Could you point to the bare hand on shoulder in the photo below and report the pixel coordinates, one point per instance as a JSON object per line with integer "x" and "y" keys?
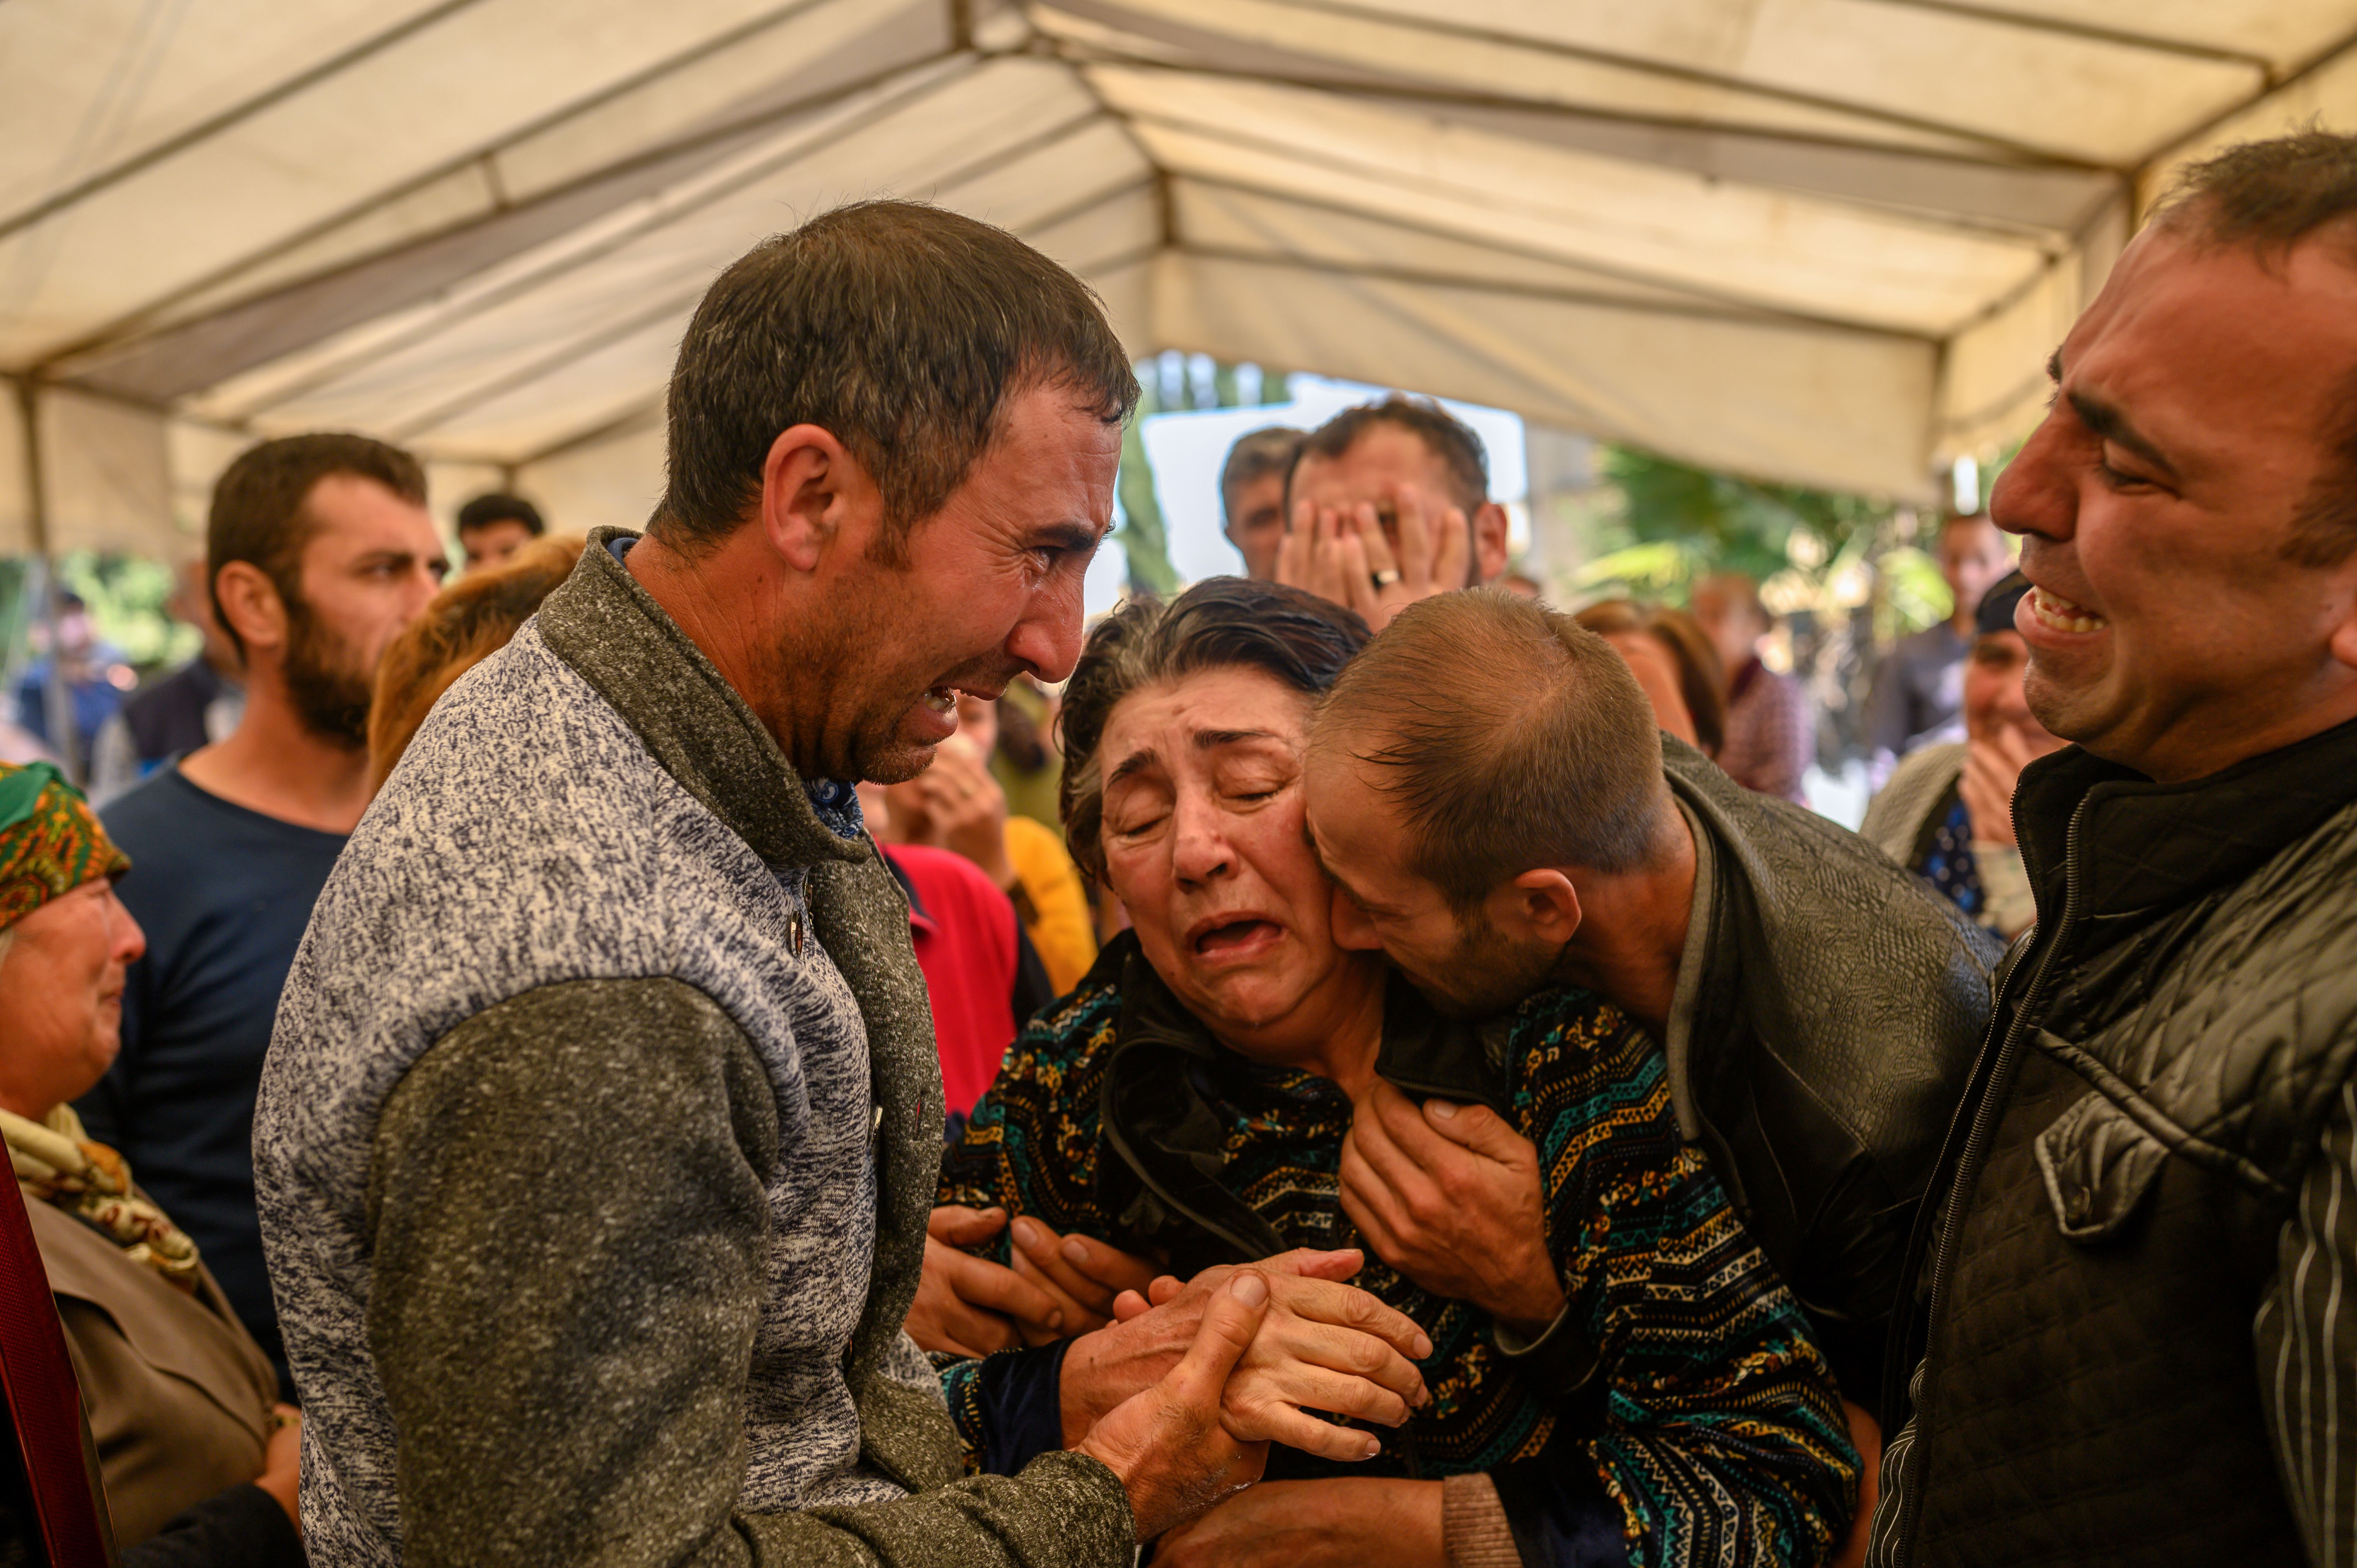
{"x": 1448, "y": 1195}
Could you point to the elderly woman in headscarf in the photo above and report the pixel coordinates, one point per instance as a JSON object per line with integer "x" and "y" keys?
{"x": 1237, "y": 1077}
{"x": 192, "y": 1444}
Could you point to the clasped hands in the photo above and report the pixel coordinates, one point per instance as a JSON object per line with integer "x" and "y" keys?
{"x": 1447, "y": 1195}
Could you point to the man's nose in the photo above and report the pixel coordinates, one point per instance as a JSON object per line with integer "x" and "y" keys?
{"x": 1047, "y": 641}
{"x": 2035, "y": 495}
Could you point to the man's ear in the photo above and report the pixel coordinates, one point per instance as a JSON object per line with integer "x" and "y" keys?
{"x": 1489, "y": 534}
{"x": 250, "y": 605}
{"x": 1540, "y": 904}
{"x": 814, "y": 493}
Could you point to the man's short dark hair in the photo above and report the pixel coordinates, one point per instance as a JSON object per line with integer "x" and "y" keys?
{"x": 1509, "y": 736}
{"x": 1300, "y": 638}
{"x": 501, "y": 507}
{"x": 258, "y": 514}
{"x": 1448, "y": 437}
{"x": 899, "y": 329}
{"x": 1255, "y": 456}
{"x": 2266, "y": 196}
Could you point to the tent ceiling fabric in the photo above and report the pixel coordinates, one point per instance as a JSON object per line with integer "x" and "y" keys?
{"x": 1822, "y": 241}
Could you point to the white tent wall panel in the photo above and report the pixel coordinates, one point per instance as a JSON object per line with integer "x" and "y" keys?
{"x": 2284, "y": 33}
{"x": 690, "y": 230}
{"x": 1847, "y": 411}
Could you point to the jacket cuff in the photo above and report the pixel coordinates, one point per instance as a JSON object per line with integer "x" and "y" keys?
{"x": 1561, "y": 1363}
{"x": 1473, "y": 1528}
{"x": 242, "y": 1525}
{"x": 1088, "y": 1489}
{"x": 1021, "y": 1396}
{"x": 1560, "y": 1514}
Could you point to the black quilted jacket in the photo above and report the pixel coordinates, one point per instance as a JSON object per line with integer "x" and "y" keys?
{"x": 2167, "y": 1044}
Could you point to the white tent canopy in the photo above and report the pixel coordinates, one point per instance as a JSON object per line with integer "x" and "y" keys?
{"x": 1823, "y": 241}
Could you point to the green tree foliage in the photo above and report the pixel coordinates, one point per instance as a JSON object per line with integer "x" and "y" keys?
{"x": 1669, "y": 524}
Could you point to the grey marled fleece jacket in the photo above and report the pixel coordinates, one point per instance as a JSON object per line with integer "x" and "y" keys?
{"x": 596, "y": 1145}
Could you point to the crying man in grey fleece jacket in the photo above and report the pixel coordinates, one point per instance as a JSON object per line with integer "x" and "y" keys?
{"x": 602, "y": 1120}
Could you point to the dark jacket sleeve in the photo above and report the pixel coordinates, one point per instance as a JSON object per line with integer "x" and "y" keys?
{"x": 569, "y": 1227}
{"x": 241, "y": 1528}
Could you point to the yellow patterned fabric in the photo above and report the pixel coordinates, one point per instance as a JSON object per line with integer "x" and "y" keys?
{"x": 57, "y": 1163}
{"x": 51, "y": 842}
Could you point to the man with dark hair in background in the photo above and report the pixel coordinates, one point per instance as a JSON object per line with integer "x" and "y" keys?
{"x": 2139, "y": 1254}
{"x": 603, "y": 1119}
{"x": 1818, "y": 1005}
{"x": 1390, "y": 503}
{"x": 495, "y": 526}
{"x": 319, "y": 551}
{"x": 1252, "y": 496}
{"x": 1919, "y": 692}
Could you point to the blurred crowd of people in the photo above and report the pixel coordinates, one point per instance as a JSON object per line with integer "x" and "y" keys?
{"x": 766, "y": 1039}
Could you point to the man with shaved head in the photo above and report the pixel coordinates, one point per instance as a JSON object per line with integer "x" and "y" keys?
{"x": 1818, "y": 1005}
{"x": 2136, "y": 1278}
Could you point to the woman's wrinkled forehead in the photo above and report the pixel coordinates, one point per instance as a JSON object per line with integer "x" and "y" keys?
{"x": 1200, "y": 714}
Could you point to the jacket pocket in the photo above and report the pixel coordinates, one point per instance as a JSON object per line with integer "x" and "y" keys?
{"x": 2098, "y": 1165}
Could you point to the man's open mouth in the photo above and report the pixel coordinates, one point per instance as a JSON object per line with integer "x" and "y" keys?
{"x": 2052, "y": 609}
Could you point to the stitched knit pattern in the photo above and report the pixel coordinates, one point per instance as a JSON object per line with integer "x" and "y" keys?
{"x": 1723, "y": 1439}
{"x": 529, "y": 838}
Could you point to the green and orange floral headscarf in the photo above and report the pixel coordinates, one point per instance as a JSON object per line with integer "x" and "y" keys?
{"x": 51, "y": 842}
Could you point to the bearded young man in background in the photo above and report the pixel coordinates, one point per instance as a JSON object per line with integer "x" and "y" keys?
{"x": 318, "y": 551}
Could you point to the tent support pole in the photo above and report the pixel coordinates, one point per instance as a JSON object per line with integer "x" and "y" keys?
{"x": 56, "y": 698}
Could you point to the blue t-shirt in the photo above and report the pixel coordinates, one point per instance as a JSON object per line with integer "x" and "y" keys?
{"x": 223, "y": 894}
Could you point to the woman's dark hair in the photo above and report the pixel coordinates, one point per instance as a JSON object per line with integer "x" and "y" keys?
{"x": 1299, "y": 637}
{"x": 1701, "y": 682}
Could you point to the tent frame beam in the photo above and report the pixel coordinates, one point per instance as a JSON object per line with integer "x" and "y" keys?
{"x": 2063, "y": 26}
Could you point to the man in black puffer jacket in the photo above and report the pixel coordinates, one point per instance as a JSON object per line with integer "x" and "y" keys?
{"x": 2139, "y": 1244}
